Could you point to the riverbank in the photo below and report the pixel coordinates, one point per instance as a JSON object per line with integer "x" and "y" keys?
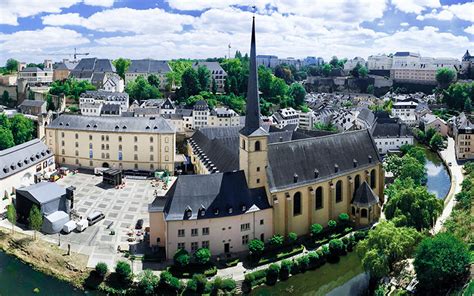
{"x": 45, "y": 257}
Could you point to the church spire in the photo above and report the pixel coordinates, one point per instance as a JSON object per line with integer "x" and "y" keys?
{"x": 252, "y": 114}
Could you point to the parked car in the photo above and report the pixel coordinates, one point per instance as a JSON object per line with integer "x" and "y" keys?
{"x": 82, "y": 225}
{"x": 95, "y": 217}
{"x": 139, "y": 224}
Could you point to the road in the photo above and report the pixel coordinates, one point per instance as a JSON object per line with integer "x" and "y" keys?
{"x": 449, "y": 156}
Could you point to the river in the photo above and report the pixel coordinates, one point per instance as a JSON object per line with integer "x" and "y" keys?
{"x": 438, "y": 179}
{"x": 17, "y": 278}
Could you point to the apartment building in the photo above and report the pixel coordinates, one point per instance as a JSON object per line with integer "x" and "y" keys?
{"x": 130, "y": 143}
{"x": 463, "y": 131}
{"x": 92, "y": 103}
{"x": 269, "y": 61}
{"x": 379, "y": 62}
{"x": 36, "y": 75}
{"x": 406, "y": 111}
{"x": 145, "y": 68}
{"x": 285, "y": 116}
{"x": 411, "y": 67}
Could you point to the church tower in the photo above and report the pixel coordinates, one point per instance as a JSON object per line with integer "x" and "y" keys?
{"x": 253, "y": 139}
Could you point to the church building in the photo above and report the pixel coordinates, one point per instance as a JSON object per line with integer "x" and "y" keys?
{"x": 291, "y": 180}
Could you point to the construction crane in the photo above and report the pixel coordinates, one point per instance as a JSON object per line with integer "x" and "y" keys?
{"x": 79, "y": 54}
{"x": 75, "y": 54}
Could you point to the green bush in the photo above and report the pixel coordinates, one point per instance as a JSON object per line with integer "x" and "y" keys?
{"x": 272, "y": 274}
{"x": 256, "y": 248}
{"x": 210, "y": 271}
{"x": 313, "y": 259}
{"x": 191, "y": 285}
{"x": 332, "y": 225}
{"x": 202, "y": 256}
{"x": 201, "y": 282}
{"x": 285, "y": 269}
{"x": 101, "y": 268}
{"x": 165, "y": 277}
{"x": 147, "y": 282}
{"x": 181, "y": 258}
{"x": 325, "y": 250}
{"x": 295, "y": 267}
{"x": 123, "y": 271}
{"x": 343, "y": 219}
{"x": 292, "y": 237}
{"x": 232, "y": 262}
{"x": 228, "y": 285}
{"x": 360, "y": 235}
{"x": 336, "y": 247}
{"x": 316, "y": 230}
{"x": 175, "y": 284}
{"x": 276, "y": 240}
{"x": 303, "y": 262}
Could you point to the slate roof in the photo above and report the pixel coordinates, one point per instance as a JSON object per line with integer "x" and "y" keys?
{"x": 88, "y": 66}
{"x": 42, "y": 192}
{"x": 184, "y": 112}
{"x": 303, "y": 157}
{"x": 110, "y": 109}
{"x": 31, "y": 69}
{"x": 60, "y": 66}
{"x": 168, "y": 104}
{"x": 214, "y": 67}
{"x": 112, "y": 124}
{"x": 225, "y": 194}
{"x": 20, "y": 157}
{"x": 32, "y": 103}
{"x": 106, "y": 95}
{"x": 390, "y": 129}
{"x": 364, "y": 196}
{"x": 148, "y": 66}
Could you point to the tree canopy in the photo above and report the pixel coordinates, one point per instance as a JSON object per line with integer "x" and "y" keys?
{"x": 35, "y": 219}
{"x": 121, "y": 66}
{"x": 385, "y": 245}
{"x": 406, "y": 167}
{"x": 141, "y": 89}
{"x": 70, "y": 87}
{"x": 441, "y": 262}
{"x": 11, "y": 65}
{"x": 22, "y": 128}
{"x": 444, "y": 76}
{"x": 456, "y": 94}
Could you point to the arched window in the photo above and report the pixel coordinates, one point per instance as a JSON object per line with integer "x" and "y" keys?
{"x": 257, "y": 146}
{"x": 243, "y": 144}
{"x": 297, "y": 204}
{"x": 353, "y": 210}
{"x": 356, "y": 182}
{"x": 373, "y": 179}
{"x": 339, "y": 191}
{"x": 363, "y": 213}
{"x": 319, "y": 198}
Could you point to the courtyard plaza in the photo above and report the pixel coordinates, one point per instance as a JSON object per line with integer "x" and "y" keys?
{"x": 122, "y": 208}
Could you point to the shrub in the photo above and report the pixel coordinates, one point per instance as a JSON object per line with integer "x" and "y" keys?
{"x": 303, "y": 262}
{"x": 101, "y": 268}
{"x": 123, "y": 270}
{"x": 202, "y": 256}
{"x": 332, "y": 225}
{"x": 191, "y": 285}
{"x": 276, "y": 240}
{"x": 147, "y": 282}
{"x": 343, "y": 219}
{"x": 228, "y": 285}
{"x": 256, "y": 247}
{"x": 285, "y": 269}
{"x": 360, "y": 235}
{"x": 181, "y": 258}
{"x": 313, "y": 259}
{"x": 201, "y": 282}
{"x": 336, "y": 247}
{"x": 272, "y": 274}
{"x": 295, "y": 267}
{"x": 175, "y": 284}
{"x": 316, "y": 230}
{"x": 165, "y": 277}
{"x": 292, "y": 237}
{"x": 325, "y": 250}
{"x": 345, "y": 241}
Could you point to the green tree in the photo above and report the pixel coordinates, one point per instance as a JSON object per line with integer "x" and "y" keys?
{"x": 101, "y": 269}
{"x": 327, "y": 69}
{"x": 256, "y": 247}
{"x": 6, "y": 138}
{"x": 343, "y": 219}
{"x": 141, "y": 89}
{"x": 5, "y": 100}
{"x": 190, "y": 85}
{"x": 277, "y": 240}
{"x": 11, "y": 216}
{"x": 406, "y": 167}
{"x": 284, "y": 72}
{"x": 5, "y": 122}
{"x": 413, "y": 207}
{"x": 265, "y": 79}
{"x": 292, "y": 237}
{"x": 181, "y": 258}
{"x": 337, "y": 248}
{"x": 334, "y": 62}
{"x": 298, "y": 93}
{"x": 285, "y": 269}
{"x": 278, "y": 89}
{"x": 22, "y": 129}
{"x": 49, "y": 103}
{"x": 214, "y": 86}
{"x": 202, "y": 256}
{"x": 355, "y": 71}
{"x": 370, "y": 89}
{"x": 468, "y": 105}
{"x": 385, "y": 245}
{"x": 70, "y": 88}
{"x": 121, "y": 66}
{"x": 436, "y": 142}
{"x": 363, "y": 72}
{"x": 11, "y": 65}
{"x": 441, "y": 262}
{"x": 147, "y": 282}
{"x": 204, "y": 77}
{"x": 123, "y": 271}
{"x": 316, "y": 230}
{"x": 35, "y": 219}
{"x": 325, "y": 127}
{"x": 457, "y": 93}
{"x": 272, "y": 274}
{"x": 417, "y": 152}
{"x": 444, "y": 76}
{"x": 173, "y": 77}
{"x": 154, "y": 80}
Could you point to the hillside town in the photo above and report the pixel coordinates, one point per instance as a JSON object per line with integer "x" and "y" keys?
{"x": 233, "y": 174}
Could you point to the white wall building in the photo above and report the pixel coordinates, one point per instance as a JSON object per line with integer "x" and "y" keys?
{"x": 350, "y": 64}
{"x": 379, "y": 62}
{"x": 92, "y": 102}
{"x": 405, "y": 111}
{"x": 34, "y": 75}
{"x": 285, "y": 117}
{"x": 391, "y": 135}
{"x": 147, "y": 67}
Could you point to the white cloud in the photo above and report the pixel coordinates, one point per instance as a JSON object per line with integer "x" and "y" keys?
{"x": 470, "y": 30}
{"x": 463, "y": 11}
{"x": 404, "y": 24}
{"x": 123, "y": 20}
{"x": 11, "y": 10}
{"x": 415, "y": 6}
{"x": 37, "y": 44}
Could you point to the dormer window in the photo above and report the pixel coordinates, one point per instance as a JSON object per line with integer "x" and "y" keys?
{"x": 244, "y": 208}
{"x": 95, "y": 125}
{"x": 88, "y": 125}
{"x": 229, "y": 210}
{"x": 124, "y": 127}
{"x": 216, "y": 211}
{"x": 117, "y": 127}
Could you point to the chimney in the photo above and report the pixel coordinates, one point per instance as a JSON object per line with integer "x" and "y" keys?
{"x": 295, "y": 178}
{"x": 316, "y": 173}
{"x": 354, "y": 161}
{"x": 336, "y": 168}
{"x": 370, "y": 158}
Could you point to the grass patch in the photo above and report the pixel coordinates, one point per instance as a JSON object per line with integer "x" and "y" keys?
{"x": 188, "y": 271}
{"x": 232, "y": 262}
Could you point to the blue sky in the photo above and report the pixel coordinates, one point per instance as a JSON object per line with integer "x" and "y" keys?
{"x": 32, "y": 30}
